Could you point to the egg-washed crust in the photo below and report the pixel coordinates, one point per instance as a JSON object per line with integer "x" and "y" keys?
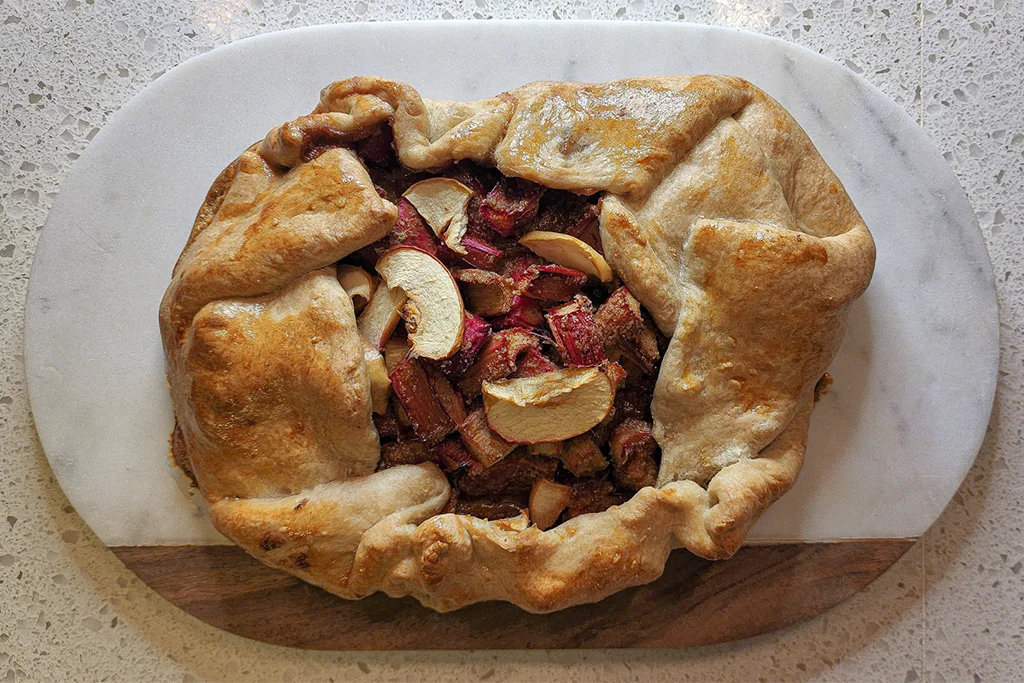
{"x": 718, "y": 214}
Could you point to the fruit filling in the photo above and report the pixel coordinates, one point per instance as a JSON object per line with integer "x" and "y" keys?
{"x": 499, "y": 343}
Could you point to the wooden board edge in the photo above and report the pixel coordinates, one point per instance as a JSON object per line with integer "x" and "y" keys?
{"x": 695, "y": 602}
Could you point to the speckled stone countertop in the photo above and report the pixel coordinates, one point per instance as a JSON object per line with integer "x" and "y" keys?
{"x": 951, "y": 610}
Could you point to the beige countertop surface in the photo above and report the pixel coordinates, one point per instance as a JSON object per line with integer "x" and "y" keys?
{"x": 952, "y": 609}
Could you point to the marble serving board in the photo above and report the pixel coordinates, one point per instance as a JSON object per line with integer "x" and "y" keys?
{"x": 888, "y": 447}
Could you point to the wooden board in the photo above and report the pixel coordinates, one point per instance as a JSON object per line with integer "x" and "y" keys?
{"x": 695, "y": 602}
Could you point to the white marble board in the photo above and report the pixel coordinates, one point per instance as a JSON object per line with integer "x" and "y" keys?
{"x": 888, "y": 447}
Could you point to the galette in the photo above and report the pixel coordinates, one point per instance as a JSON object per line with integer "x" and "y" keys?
{"x": 513, "y": 349}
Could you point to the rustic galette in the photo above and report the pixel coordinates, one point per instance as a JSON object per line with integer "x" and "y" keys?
{"x": 514, "y": 349}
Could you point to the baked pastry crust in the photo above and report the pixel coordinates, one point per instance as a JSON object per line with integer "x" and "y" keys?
{"x": 718, "y": 214}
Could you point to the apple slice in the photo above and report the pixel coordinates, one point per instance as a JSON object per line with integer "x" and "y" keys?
{"x": 552, "y": 406}
{"x": 358, "y": 284}
{"x": 434, "y": 312}
{"x": 442, "y": 202}
{"x": 380, "y": 385}
{"x": 381, "y": 315}
{"x": 547, "y": 500}
{"x": 568, "y": 251}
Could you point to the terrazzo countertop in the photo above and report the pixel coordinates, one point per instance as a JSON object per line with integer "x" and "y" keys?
{"x": 951, "y": 609}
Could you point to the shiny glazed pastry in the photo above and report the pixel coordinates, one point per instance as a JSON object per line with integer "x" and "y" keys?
{"x": 514, "y": 349}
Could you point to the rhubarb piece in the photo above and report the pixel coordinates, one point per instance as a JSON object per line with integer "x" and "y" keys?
{"x": 484, "y": 292}
{"x": 646, "y": 344}
{"x": 487, "y": 508}
{"x": 533, "y": 362}
{"x": 380, "y": 317}
{"x": 387, "y": 424}
{"x": 450, "y": 398}
{"x": 623, "y": 327}
{"x": 480, "y": 253}
{"x": 442, "y": 203}
{"x": 434, "y": 312}
{"x": 395, "y": 351}
{"x": 524, "y": 312}
{"x": 453, "y": 454}
{"x": 404, "y": 453}
{"x": 575, "y": 333}
{"x": 510, "y": 205}
{"x": 582, "y": 457}
{"x": 518, "y": 267}
{"x": 404, "y": 423}
{"x": 497, "y": 360}
{"x": 428, "y": 417}
{"x": 632, "y": 448}
{"x": 514, "y": 474}
{"x": 380, "y": 385}
{"x": 376, "y": 149}
{"x": 486, "y": 446}
{"x": 548, "y": 450}
{"x": 615, "y": 373}
{"x": 587, "y": 228}
{"x": 552, "y": 406}
{"x": 568, "y": 251}
{"x": 475, "y": 333}
{"x": 592, "y": 495}
{"x": 547, "y": 500}
{"x": 358, "y": 284}
{"x": 554, "y": 283}
{"x": 411, "y": 230}
{"x": 619, "y": 316}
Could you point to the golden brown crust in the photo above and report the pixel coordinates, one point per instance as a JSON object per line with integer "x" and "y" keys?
{"x": 717, "y": 212}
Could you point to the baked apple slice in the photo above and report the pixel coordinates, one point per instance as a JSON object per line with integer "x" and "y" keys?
{"x": 381, "y": 315}
{"x": 547, "y": 500}
{"x": 434, "y": 312}
{"x": 551, "y": 406}
{"x": 358, "y": 284}
{"x": 568, "y": 251}
{"x": 442, "y": 202}
{"x": 380, "y": 385}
